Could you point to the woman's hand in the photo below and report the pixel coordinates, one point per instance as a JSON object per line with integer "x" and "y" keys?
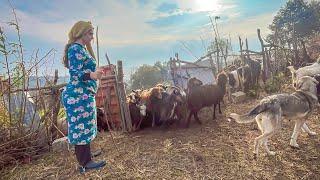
{"x": 97, "y": 74}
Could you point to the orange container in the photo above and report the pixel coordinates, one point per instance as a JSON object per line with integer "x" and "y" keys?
{"x": 107, "y": 89}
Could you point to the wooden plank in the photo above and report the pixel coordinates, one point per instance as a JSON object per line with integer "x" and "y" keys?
{"x": 122, "y": 97}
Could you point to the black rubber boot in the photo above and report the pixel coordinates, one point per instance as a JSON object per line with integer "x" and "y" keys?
{"x": 91, "y": 165}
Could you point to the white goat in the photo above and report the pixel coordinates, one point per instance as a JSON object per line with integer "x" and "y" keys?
{"x": 311, "y": 70}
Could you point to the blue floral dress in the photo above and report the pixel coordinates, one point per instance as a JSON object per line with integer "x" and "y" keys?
{"x": 79, "y": 97}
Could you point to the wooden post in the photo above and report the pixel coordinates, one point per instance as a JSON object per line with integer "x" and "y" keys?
{"x": 180, "y": 83}
{"x": 217, "y": 56}
{"x": 241, "y": 53}
{"x": 212, "y": 66}
{"x": 97, "y": 39}
{"x": 125, "y": 113}
{"x": 225, "y": 55}
{"x": 247, "y": 48}
{"x": 173, "y": 68}
{"x": 55, "y": 105}
{"x": 265, "y": 64}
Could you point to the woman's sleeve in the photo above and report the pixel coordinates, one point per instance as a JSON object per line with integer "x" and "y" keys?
{"x": 77, "y": 58}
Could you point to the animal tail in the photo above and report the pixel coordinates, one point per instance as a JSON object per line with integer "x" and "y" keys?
{"x": 250, "y": 116}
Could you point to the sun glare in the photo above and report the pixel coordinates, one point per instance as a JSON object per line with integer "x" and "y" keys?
{"x": 207, "y": 5}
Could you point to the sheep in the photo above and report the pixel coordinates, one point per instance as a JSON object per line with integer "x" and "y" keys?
{"x": 311, "y": 70}
{"x": 200, "y": 95}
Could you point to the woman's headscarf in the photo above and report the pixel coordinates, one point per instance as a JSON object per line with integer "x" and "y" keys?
{"x": 77, "y": 31}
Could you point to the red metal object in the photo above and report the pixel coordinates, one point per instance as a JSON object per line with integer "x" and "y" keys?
{"x": 107, "y": 89}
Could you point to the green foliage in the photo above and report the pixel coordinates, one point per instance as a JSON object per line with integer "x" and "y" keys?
{"x": 274, "y": 84}
{"x": 147, "y": 76}
{"x": 62, "y": 113}
{"x": 254, "y": 92}
{"x": 17, "y": 75}
{"x": 222, "y": 43}
{"x": 297, "y": 17}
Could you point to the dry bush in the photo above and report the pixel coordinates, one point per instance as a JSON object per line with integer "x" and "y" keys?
{"x": 18, "y": 140}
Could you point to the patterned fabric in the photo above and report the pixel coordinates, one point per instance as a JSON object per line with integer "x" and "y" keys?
{"x": 79, "y": 97}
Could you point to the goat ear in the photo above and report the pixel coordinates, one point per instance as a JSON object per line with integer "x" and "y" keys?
{"x": 314, "y": 80}
{"x": 299, "y": 85}
{"x": 292, "y": 69}
{"x": 134, "y": 91}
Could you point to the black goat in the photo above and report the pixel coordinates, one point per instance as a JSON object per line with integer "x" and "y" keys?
{"x": 200, "y": 96}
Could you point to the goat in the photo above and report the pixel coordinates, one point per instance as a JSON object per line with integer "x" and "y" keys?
{"x": 245, "y": 77}
{"x": 255, "y": 69}
{"x": 233, "y": 82}
{"x": 317, "y": 77}
{"x": 164, "y": 108}
{"x": 146, "y": 98}
{"x": 311, "y": 70}
{"x": 200, "y": 95}
{"x": 137, "y": 110}
{"x": 101, "y": 120}
{"x": 180, "y": 112}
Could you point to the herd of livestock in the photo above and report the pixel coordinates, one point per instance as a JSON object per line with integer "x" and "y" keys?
{"x": 162, "y": 105}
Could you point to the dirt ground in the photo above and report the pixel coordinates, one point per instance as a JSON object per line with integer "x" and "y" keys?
{"x": 217, "y": 149}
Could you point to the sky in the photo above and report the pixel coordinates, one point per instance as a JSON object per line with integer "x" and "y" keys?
{"x": 137, "y": 31}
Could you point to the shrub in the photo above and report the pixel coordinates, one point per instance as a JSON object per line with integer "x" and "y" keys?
{"x": 274, "y": 84}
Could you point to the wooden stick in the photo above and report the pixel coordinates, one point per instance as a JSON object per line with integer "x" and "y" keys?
{"x": 97, "y": 39}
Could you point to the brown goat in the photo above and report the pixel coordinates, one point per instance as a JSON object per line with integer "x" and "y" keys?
{"x": 148, "y": 96}
{"x": 200, "y": 96}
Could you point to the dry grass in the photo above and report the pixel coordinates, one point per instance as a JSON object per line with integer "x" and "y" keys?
{"x": 214, "y": 150}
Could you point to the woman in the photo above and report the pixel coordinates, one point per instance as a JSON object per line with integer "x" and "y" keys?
{"x": 79, "y": 95}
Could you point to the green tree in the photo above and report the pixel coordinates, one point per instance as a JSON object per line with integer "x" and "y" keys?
{"x": 147, "y": 76}
{"x": 293, "y": 25}
{"x": 297, "y": 18}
